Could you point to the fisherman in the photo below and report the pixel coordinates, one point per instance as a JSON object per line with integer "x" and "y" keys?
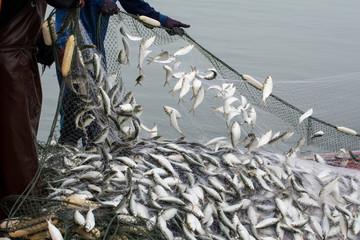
{"x": 20, "y": 96}
{"x": 89, "y": 16}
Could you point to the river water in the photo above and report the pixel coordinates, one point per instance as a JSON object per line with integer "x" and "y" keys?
{"x": 310, "y": 48}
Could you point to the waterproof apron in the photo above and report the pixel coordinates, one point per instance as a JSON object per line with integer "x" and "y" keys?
{"x": 20, "y": 100}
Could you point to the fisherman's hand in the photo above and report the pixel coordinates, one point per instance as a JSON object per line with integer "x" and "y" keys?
{"x": 171, "y": 23}
{"x": 175, "y": 26}
{"x": 109, "y": 8}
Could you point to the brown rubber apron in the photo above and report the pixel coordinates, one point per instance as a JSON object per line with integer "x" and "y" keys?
{"x": 20, "y": 100}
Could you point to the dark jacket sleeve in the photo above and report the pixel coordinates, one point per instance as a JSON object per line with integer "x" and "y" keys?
{"x": 140, "y": 7}
{"x": 63, "y": 4}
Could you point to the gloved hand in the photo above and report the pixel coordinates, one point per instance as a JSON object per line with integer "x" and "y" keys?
{"x": 109, "y": 8}
{"x": 171, "y": 23}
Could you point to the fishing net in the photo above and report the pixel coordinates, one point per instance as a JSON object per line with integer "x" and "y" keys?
{"x": 104, "y": 162}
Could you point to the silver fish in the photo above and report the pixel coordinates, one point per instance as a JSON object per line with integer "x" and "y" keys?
{"x": 184, "y": 50}
{"x": 122, "y": 58}
{"x": 305, "y": 115}
{"x": 163, "y": 56}
{"x": 267, "y": 89}
{"x": 126, "y": 50}
{"x": 169, "y": 73}
{"x": 143, "y": 51}
{"x": 132, "y": 38}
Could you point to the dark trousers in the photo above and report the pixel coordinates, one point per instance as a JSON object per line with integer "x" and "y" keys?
{"x": 20, "y": 101}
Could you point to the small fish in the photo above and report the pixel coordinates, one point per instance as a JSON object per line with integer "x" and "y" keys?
{"x": 97, "y": 65}
{"x": 106, "y": 101}
{"x": 87, "y": 121}
{"x": 163, "y": 56}
{"x": 304, "y": 116}
{"x": 235, "y": 134}
{"x": 184, "y": 50}
{"x": 267, "y": 89}
{"x": 253, "y": 144}
{"x": 132, "y": 38}
{"x": 329, "y": 187}
{"x": 122, "y": 59}
{"x": 126, "y": 50}
{"x": 168, "y": 110}
{"x": 89, "y": 221}
{"x": 169, "y": 73}
{"x": 317, "y": 134}
{"x": 54, "y": 232}
{"x": 264, "y": 139}
{"x": 252, "y": 81}
{"x": 198, "y": 99}
{"x": 101, "y": 137}
{"x": 177, "y": 86}
{"x": 346, "y": 130}
{"x": 196, "y": 84}
{"x": 252, "y": 116}
{"x": 165, "y": 163}
{"x": 139, "y": 79}
{"x": 212, "y": 75}
{"x": 174, "y": 123}
{"x": 143, "y": 51}
{"x": 79, "y": 218}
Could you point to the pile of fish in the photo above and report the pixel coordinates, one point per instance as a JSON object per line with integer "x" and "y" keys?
{"x": 224, "y": 189}
{"x": 190, "y": 191}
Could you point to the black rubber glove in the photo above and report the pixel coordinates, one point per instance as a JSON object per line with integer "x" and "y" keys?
{"x": 171, "y": 23}
{"x": 175, "y": 26}
{"x": 109, "y": 8}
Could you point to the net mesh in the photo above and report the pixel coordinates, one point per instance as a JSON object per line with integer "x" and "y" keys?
{"x": 133, "y": 184}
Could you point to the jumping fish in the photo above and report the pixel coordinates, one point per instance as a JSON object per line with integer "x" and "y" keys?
{"x": 267, "y": 89}
{"x": 184, "y": 50}
{"x": 317, "y": 134}
{"x": 132, "y": 38}
{"x": 304, "y": 116}
{"x": 174, "y": 123}
{"x": 169, "y": 73}
{"x": 122, "y": 59}
{"x": 212, "y": 75}
{"x": 235, "y": 134}
{"x": 198, "y": 99}
{"x": 163, "y": 56}
{"x": 126, "y": 50}
{"x": 143, "y": 51}
{"x": 168, "y": 110}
